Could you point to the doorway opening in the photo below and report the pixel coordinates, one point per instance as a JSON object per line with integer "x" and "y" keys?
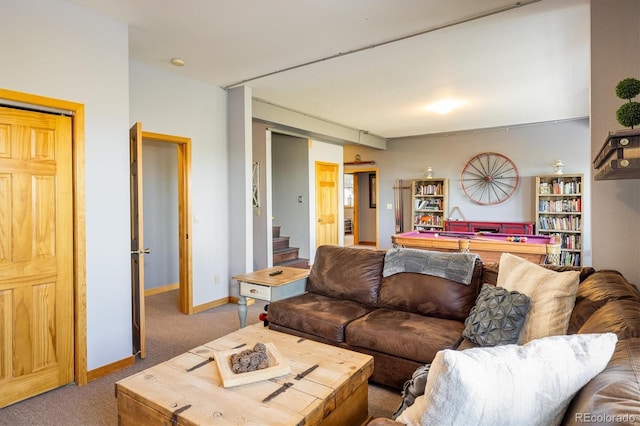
{"x": 361, "y": 208}
{"x": 138, "y": 248}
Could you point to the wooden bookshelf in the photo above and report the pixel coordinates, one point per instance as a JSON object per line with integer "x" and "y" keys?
{"x": 559, "y": 212}
{"x": 429, "y": 203}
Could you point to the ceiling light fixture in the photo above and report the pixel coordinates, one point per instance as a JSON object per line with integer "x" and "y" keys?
{"x": 444, "y": 106}
{"x": 178, "y": 62}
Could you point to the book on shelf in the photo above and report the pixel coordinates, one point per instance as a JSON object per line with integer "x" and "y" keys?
{"x": 429, "y": 189}
{"x": 429, "y": 204}
{"x": 560, "y": 187}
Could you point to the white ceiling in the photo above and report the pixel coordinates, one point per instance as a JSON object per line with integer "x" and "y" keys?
{"x": 524, "y": 65}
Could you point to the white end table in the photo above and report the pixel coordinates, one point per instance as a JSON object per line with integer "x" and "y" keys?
{"x": 262, "y": 285}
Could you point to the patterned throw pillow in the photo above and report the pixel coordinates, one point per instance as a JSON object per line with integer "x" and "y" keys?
{"x": 497, "y": 317}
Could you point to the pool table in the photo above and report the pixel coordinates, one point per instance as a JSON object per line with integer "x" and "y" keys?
{"x": 490, "y": 246}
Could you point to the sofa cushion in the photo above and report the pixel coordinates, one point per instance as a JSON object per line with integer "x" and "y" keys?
{"x": 613, "y": 396}
{"x": 621, "y": 317}
{"x": 315, "y": 314}
{"x": 497, "y": 317}
{"x": 490, "y": 272}
{"x": 595, "y": 291}
{"x": 552, "y": 294}
{"x": 404, "y": 334}
{"x": 429, "y": 295}
{"x": 509, "y": 384}
{"x": 347, "y": 273}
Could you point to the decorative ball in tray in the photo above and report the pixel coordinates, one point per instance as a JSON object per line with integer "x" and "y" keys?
{"x": 241, "y": 366}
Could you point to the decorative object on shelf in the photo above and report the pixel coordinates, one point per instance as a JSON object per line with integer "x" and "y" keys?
{"x": 358, "y": 161}
{"x": 489, "y": 178}
{"x": 629, "y": 113}
{"x": 429, "y": 172}
{"x": 558, "y": 165}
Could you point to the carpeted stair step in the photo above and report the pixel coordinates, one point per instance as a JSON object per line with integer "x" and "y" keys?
{"x": 295, "y": 263}
{"x": 280, "y": 243}
{"x": 283, "y": 254}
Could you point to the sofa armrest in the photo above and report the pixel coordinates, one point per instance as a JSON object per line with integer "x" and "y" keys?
{"x": 613, "y": 396}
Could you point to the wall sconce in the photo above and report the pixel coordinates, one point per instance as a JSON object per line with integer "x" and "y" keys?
{"x": 558, "y": 165}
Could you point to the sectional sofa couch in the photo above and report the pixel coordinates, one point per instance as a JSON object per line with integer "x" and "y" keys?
{"x": 404, "y": 319}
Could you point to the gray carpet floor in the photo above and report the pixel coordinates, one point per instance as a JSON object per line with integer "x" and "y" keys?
{"x": 169, "y": 333}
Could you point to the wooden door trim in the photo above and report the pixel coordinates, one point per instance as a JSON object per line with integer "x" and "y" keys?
{"x": 184, "y": 214}
{"x": 79, "y": 219}
{"x": 355, "y": 212}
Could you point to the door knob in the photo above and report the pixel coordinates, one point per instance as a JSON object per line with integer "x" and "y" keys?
{"x": 143, "y": 251}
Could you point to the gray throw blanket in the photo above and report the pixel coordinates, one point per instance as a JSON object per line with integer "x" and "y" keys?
{"x": 457, "y": 267}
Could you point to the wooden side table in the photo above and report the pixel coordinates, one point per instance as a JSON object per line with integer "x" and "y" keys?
{"x": 270, "y": 288}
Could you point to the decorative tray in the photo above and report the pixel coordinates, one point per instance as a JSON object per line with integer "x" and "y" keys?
{"x": 278, "y": 366}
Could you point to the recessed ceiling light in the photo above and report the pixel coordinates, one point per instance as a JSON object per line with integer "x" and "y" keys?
{"x": 178, "y": 62}
{"x": 444, "y": 106}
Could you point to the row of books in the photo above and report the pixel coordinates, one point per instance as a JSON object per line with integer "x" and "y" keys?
{"x": 428, "y": 219}
{"x": 429, "y": 204}
{"x": 560, "y": 187}
{"x": 565, "y": 223}
{"x": 429, "y": 189}
{"x": 571, "y": 242}
{"x": 560, "y": 206}
{"x": 569, "y": 259}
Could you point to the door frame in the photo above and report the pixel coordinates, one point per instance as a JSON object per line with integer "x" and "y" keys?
{"x": 356, "y": 205}
{"x": 184, "y": 214}
{"x": 76, "y": 112}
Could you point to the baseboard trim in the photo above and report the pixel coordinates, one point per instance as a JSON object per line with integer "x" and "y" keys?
{"x": 105, "y": 370}
{"x": 162, "y": 289}
{"x": 209, "y": 305}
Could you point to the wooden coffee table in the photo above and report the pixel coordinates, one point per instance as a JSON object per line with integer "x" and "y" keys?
{"x": 334, "y": 393}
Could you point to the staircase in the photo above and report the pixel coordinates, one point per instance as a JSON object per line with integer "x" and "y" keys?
{"x": 283, "y": 255}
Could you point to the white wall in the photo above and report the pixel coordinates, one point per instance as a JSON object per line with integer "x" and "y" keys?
{"x": 160, "y": 213}
{"x": 532, "y": 149}
{"x": 63, "y": 51}
{"x": 615, "y": 55}
{"x": 366, "y": 215}
{"x": 171, "y": 104}
{"x": 290, "y": 180}
{"x": 262, "y": 216}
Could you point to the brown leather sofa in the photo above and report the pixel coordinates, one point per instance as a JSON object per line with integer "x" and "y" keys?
{"x": 349, "y": 304}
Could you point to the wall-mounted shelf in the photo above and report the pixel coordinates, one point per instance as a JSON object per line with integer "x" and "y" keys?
{"x": 619, "y": 157}
{"x": 357, "y": 163}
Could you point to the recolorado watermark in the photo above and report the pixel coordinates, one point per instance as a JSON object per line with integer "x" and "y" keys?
{"x": 605, "y": 418}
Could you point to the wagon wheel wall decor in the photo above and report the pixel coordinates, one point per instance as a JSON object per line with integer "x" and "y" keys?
{"x": 489, "y": 178}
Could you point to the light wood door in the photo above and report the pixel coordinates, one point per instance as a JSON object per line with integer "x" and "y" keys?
{"x": 326, "y": 203}
{"x": 137, "y": 241}
{"x": 36, "y": 254}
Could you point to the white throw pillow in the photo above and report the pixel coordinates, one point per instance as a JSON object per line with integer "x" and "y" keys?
{"x": 531, "y": 384}
{"x": 552, "y": 295}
